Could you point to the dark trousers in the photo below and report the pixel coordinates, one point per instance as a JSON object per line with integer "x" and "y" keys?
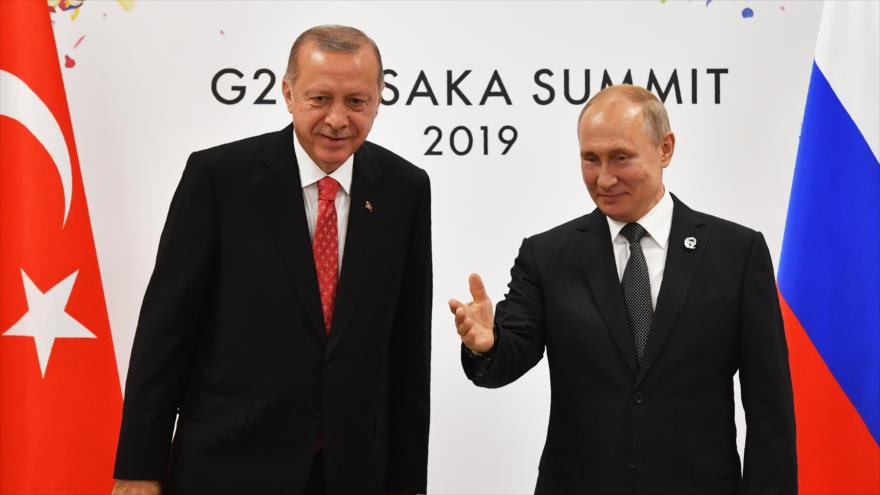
{"x": 316, "y": 484}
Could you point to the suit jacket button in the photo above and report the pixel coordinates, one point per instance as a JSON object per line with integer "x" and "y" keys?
{"x": 638, "y": 398}
{"x": 328, "y": 364}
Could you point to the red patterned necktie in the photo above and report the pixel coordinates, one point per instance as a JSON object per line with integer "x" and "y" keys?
{"x": 325, "y": 247}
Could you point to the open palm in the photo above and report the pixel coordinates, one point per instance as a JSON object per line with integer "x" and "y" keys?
{"x": 474, "y": 320}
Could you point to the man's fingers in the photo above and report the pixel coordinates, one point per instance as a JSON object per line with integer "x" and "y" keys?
{"x": 470, "y": 339}
{"x": 454, "y": 304}
{"x": 478, "y": 290}
{"x": 465, "y": 321}
{"x": 462, "y": 323}
{"x": 136, "y": 487}
{"x": 460, "y": 314}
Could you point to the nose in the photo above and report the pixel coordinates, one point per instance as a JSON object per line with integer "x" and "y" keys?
{"x": 606, "y": 179}
{"x": 336, "y": 117}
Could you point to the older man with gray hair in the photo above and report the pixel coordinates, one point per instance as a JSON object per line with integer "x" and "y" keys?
{"x": 287, "y": 322}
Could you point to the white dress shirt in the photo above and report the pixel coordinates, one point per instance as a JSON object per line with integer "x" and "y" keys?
{"x": 309, "y": 175}
{"x": 658, "y": 223}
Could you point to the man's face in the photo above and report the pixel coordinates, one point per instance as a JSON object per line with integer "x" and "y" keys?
{"x": 334, "y": 101}
{"x": 621, "y": 165}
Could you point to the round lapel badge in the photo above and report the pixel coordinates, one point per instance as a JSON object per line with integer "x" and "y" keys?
{"x": 690, "y": 243}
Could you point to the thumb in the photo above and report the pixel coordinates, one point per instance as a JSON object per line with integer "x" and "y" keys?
{"x": 478, "y": 291}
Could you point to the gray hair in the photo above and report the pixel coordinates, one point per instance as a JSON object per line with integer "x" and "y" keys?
{"x": 656, "y": 120}
{"x": 332, "y": 38}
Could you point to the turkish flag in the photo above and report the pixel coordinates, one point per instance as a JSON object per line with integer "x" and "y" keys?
{"x": 60, "y": 399}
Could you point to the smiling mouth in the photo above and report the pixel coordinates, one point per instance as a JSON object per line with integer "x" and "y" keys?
{"x": 333, "y": 141}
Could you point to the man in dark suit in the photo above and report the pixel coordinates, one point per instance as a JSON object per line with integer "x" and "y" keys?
{"x": 287, "y": 321}
{"x": 647, "y": 309}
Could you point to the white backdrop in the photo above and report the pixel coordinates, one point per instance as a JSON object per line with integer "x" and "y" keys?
{"x": 141, "y": 99}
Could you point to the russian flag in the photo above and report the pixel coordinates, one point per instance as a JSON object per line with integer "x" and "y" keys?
{"x": 829, "y": 272}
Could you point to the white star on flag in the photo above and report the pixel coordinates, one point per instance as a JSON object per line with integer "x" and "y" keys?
{"x": 46, "y": 319}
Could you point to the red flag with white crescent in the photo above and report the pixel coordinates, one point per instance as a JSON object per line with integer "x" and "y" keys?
{"x": 60, "y": 398}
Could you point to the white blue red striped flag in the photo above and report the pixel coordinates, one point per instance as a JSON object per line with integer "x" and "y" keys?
{"x": 829, "y": 272}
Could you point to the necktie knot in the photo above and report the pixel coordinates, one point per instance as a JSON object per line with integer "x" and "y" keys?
{"x": 633, "y": 232}
{"x": 327, "y": 188}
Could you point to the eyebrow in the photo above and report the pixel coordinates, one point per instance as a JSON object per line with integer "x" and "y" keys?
{"x": 623, "y": 151}
{"x": 612, "y": 151}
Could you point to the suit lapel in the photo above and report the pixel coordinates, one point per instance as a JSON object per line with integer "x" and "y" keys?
{"x": 358, "y": 242}
{"x": 287, "y": 219}
{"x": 592, "y": 242}
{"x": 681, "y": 265}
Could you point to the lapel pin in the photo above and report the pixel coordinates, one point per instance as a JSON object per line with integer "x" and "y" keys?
{"x": 369, "y": 206}
{"x": 690, "y": 243}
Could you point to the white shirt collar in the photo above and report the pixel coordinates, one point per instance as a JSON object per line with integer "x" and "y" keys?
{"x": 657, "y": 222}
{"x": 310, "y": 172}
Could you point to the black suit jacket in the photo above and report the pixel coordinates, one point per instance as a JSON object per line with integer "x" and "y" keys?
{"x": 666, "y": 426}
{"x": 231, "y": 333}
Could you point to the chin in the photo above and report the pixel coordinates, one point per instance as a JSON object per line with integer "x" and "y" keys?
{"x": 617, "y": 214}
{"x": 336, "y": 157}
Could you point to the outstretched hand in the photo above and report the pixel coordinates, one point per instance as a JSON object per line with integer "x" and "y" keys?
{"x": 474, "y": 320}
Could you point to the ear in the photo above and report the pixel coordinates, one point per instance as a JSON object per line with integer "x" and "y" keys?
{"x": 379, "y": 101}
{"x": 287, "y": 91}
{"x": 667, "y": 148}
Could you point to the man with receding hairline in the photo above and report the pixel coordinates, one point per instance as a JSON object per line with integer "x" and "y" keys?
{"x": 287, "y": 322}
{"x": 646, "y": 309}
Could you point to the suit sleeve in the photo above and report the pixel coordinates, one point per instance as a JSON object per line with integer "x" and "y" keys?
{"x": 770, "y": 464}
{"x": 410, "y": 361}
{"x": 519, "y": 327}
{"x": 167, "y": 328}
